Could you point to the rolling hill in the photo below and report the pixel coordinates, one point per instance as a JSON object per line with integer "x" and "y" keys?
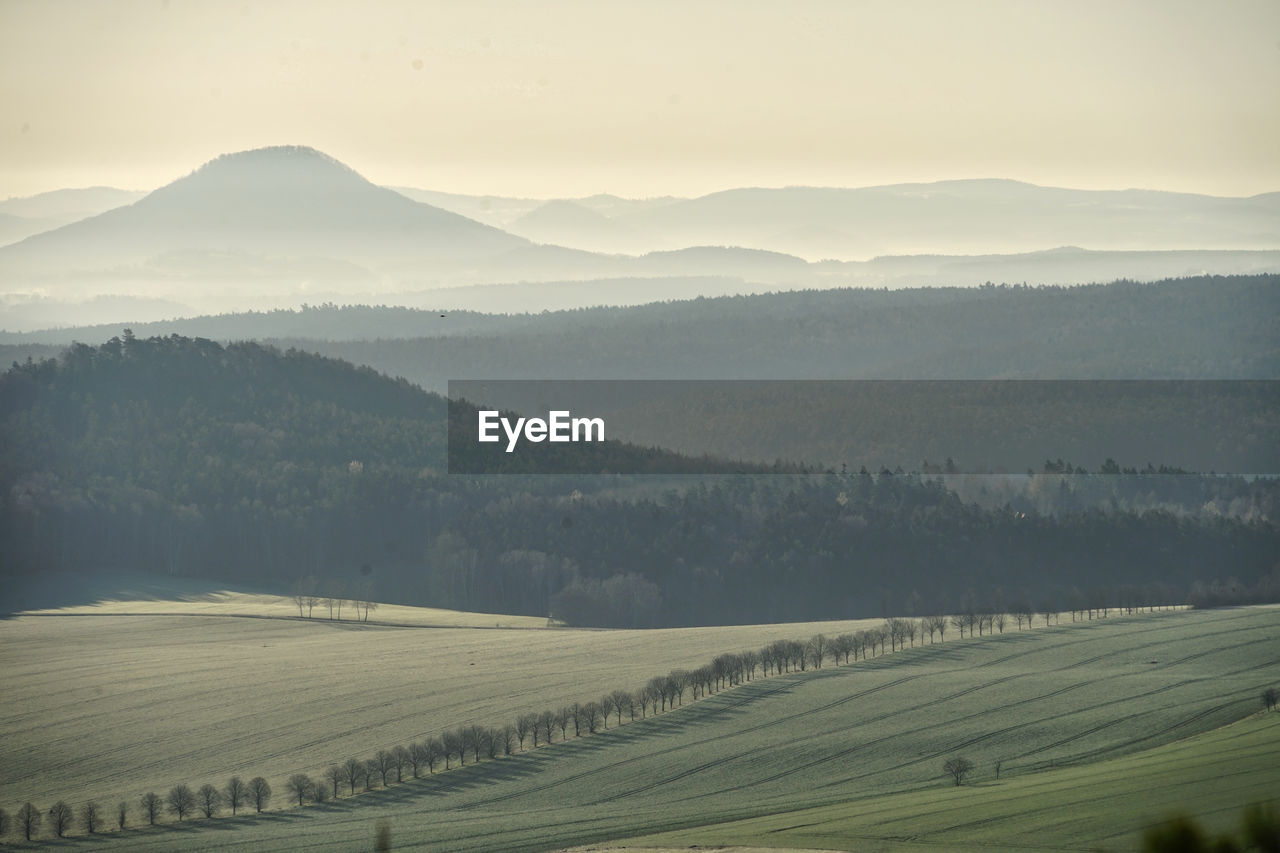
{"x": 109, "y": 707}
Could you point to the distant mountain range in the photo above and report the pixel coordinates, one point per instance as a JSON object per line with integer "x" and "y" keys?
{"x": 288, "y": 206}
{"x": 986, "y": 216}
{"x": 280, "y": 226}
{"x": 22, "y": 217}
{"x": 951, "y": 217}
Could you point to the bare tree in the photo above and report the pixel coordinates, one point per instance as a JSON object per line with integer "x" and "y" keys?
{"x": 478, "y": 737}
{"x": 525, "y": 724}
{"x": 370, "y": 774}
{"x": 591, "y": 716}
{"x": 492, "y": 741}
{"x": 678, "y": 681}
{"x": 467, "y": 734}
{"x": 181, "y": 801}
{"x": 957, "y": 768}
{"x": 1270, "y": 698}
{"x": 508, "y": 738}
{"x": 766, "y": 660}
{"x": 606, "y": 707}
{"x": 91, "y": 816}
{"x": 362, "y": 598}
{"x": 417, "y": 758}
{"x": 960, "y": 621}
{"x": 622, "y": 700}
{"x": 656, "y": 693}
{"x": 300, "y": 786}
{"x": 642, "y": 699}
{"x": 999, "y": 764}
{"x": 473, "y": 739}
{"x": 29, "y": 819}
{"x": 891, "y": 629}
{"x": 546, "y": 722}
{"x": 319, "y": 791}
{"x": 562, "y": 718}
{"x": 151, "y": 804}
{"x": 576, "y": 714}
{"x": 335, "y": 594}
{"x": 122, "y": 815}
{"x": 334, "y": 775}
{"x": 299, "y": 595}
{"x": 60, "y": 817}
{"x": 353, "y": 772}
{"x": 433, "y": 751}
{"x": 210, "y": 799}
{"x": 902, "y": 628}
{"x": 259, "y": 793}
{"x": 237, "y": 793}
{"x": 453, "y": 746}
{"x": 401, "y": 759}
{"x": 1001, "y": 620}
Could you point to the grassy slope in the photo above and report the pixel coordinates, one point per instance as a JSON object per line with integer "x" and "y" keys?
{"x": 1105, "y": 805}
{"x": 111, "y": 705}
{"x": 1065, "y": 696}
{"x": 153, "y": 595}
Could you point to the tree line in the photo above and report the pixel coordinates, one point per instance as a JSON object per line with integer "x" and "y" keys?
{"x": 241, "y": 462}
{"x": 472, "y": 743}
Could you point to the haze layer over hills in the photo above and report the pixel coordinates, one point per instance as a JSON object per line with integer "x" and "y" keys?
{"x": 279, "y": 227}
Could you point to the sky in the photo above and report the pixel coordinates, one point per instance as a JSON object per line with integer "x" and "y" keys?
{"x": 558, "y": 98}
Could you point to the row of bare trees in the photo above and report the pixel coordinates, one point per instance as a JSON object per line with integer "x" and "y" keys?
{"x": 182, "y": 802}
{"x": 475, "y": 743}
{"x": 332, "y": 596}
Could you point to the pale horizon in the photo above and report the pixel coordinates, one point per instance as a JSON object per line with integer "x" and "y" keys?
{"x": 568, "y": 99}
{"x": 464, "y": 191}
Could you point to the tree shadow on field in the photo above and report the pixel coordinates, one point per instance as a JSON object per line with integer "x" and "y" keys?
{"x": 467, "y": 777}
{"x": 198, "y": 826}
{"x": 1014, "y": 637}
{"x": 98, "y": 839}
{"x": 898, "y": 660}
{"x": 229, "y": 822}
{"x": 475, "y": 776}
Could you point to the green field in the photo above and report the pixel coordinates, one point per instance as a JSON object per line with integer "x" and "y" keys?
{"x": 274, "y": 697}
{"x": 1101, "y": 806}
{"x": 110, "y": 700}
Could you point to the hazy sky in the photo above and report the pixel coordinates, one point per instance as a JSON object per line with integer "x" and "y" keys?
{"x": 648, "y": 98}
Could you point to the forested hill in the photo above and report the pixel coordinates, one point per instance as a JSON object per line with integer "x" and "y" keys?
{"x": 1197, "y": 328}
{"x": 1208, "y": 327}
{"x": 244, "y": 462}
